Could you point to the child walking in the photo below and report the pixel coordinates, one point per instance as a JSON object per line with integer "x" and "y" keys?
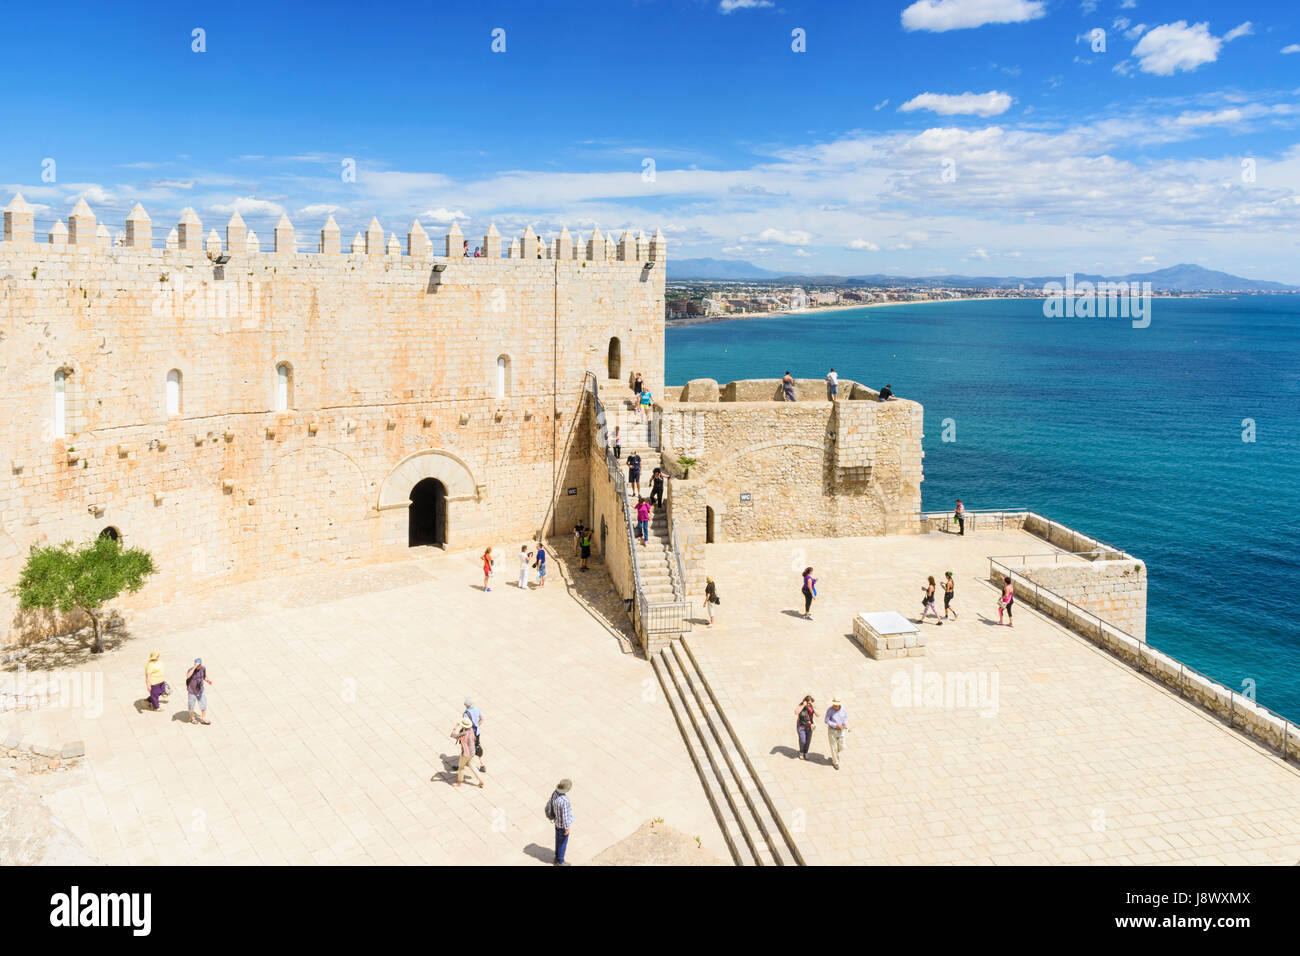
{"x": 488, "y": 563}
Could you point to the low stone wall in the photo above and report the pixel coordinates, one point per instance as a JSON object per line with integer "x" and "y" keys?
{"x": 1241, "y": 713}
{"x": 1053, "y": 532}
{"x": 1115, "y": 591}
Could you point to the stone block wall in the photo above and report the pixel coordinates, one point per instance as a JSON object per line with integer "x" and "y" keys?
{"x": 1115, "y": 591}
{"x": 810, "y": 468}
{"x": 393, "y": 377}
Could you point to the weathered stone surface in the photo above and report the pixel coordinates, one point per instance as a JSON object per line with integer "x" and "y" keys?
{"x": 76, "y": 748}
{"x": 700, "y": 390}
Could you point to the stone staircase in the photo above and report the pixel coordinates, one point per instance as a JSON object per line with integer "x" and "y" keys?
{"x": 755, "y": 833}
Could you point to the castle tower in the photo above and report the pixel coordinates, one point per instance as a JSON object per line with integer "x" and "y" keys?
{"x": 19, "y": 225}
{"x": 492, "y": 242}
{"x": 329, "y": 237}
{"x": 374, "y": 238}
{"x": 236, "y": 235}
{"x": 455, "y": 242}
{"x": 81, "y": 225}
{"x": 59, "y": 235}
{"x": 284, "y": 241}
{"x": 139, "y": 228}
{"x": 658, "y": 247}
{"x": 189, "y": 231}
{"x": 418, "y": 243}
{"x": 528, "y": 245}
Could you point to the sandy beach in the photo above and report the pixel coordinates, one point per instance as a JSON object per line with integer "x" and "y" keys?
{"x": 704, "y": 319}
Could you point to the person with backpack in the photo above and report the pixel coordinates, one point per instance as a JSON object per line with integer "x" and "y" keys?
{"x": 463, "y": 734}
{"x": 560, "y": 812}
{"x": 710, "y": 598}
{"x": 584, "y": 543}
{"x": 476, "y": 718}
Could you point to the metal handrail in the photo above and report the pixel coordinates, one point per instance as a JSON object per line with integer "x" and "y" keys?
{"x": 681, "y": 570}
{"x": 1153, "y": 654}
{"x": 1057, "y": 555}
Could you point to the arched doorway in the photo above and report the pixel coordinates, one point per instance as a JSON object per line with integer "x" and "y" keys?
{"x": 428, "y": 514}
{"x": 615, "y": 359}
{"x": 111, "y": 533}
{"x": 708, "y": 525}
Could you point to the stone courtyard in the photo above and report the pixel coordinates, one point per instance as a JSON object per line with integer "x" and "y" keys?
{"x": 332, "y": 701}
{"x": 1078, "y": 759}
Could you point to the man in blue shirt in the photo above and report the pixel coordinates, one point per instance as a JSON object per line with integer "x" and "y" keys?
{"x": 476, "y": 718}
{"x": 560, "y": 812}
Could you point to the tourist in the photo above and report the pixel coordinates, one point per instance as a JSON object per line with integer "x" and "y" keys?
{"x": 478, "y": 253}
{"x": 927, "y": 602}
{"x": 196, "y": 681}
{"x": 637, "y": 385}
{"x": 809, "y": 592}
{"x": 807, "y": 719}
{"x": 476, "y": 718}
{"x": 154, "y": 682}
{"x": 787, "y": 387}
{"x": 1007, "y": 598}
{"x": 837, "y": 725}
{"x": 463, "y": 734}
{"x": 646, "y": 409}
{"x": 959, "y": 516}
{"x": 488, "y": 564}
{"x": 949, "y": 589}
{"x": 525, "y": 557}
{"x": 465, "y": 254}
{"x": 634, "y": 473}
{"x": 560, "y": 812}
{"x": 886, "y": 393}
{"x": 832, "y": 385}
{"x": 657, "y": 488}
{"x": 643, "y": 521}
{"x": 618, "y": 443}
{"x": 710, "y": 598}
{"x": 578, "y": 529}
{"x": 540, "y": 564}
{"x": 584, "y": 542}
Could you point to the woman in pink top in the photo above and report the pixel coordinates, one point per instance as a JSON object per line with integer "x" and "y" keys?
{"x": 643, "y": 520}
{"x": 1007, "y": 599}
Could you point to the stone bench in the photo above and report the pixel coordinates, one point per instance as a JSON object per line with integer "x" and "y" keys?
{"x": 887, "y": 634}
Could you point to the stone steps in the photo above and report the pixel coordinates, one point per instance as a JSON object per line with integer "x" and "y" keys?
{"x": 752, "y": 829}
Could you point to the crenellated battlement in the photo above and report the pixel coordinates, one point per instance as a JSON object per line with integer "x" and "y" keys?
{"x": 83, "y": 234}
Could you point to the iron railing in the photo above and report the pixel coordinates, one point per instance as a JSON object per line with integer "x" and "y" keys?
{"x": 653, "y": 617}
{"x": 1148, "y": 660}
{"x": 995, "y": 517}
{"x": 1054, "y": 555}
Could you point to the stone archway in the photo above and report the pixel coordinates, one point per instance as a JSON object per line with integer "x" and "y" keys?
{"x": 457, "y": 480}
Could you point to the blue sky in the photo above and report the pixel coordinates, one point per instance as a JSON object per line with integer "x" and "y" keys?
{"x": 972, "y": 136}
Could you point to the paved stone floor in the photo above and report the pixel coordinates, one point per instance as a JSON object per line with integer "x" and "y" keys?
{"x": 332, "y": 701}
{"x": 1078, "y": 759}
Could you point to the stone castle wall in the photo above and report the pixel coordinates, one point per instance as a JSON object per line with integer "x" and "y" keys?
{"x": 393, "y": 379}
{"x": 1115, "y": 591}
{"x": 810, "y": 468}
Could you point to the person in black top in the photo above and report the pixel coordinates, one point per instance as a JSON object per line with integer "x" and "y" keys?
{"x": 578, "y": 531}
{"x": 886, "y": 393}
{"x": 657, "y": 488}
{"x": 634, "y": 473}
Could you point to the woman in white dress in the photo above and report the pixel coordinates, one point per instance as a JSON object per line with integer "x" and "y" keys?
{"x": 525, "y": 557}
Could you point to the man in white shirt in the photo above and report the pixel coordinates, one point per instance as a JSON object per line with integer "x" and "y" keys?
{"x": 832, "y": 385}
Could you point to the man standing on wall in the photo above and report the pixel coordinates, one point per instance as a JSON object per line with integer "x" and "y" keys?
{"x": 832, "y": 385}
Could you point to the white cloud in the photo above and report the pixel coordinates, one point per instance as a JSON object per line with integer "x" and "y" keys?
{"x": 728, "y": 6}
{"x": 318, "y": 209}
{"x": 1210, "y": 118}
{"x": 973, "y": 104}
{"x": 1135, "y": 31}
{"x": 979, "y": 254}
{"x": 1292, "y": 48}
{"x": 792, "y": 237}
{"x": 168, "y": 184}
{"x": 1087, "y": 7}
{"x": 249, "y": 206}
{"x": 442, "y": 215}
{"x": 1241, "y": 30}
{"x": 802, "y": 254}
{"x": 885, "y": 102}
{"x": 939, "y": 16}
{"x": 94, "y": 195}
{"x": 1171, "y": 47}
{"x": 866, "y": 244}
{"x": 1147, "y": 261}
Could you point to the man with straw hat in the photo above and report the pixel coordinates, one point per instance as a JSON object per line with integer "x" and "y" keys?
{"x": 463, "y": 734}
{"x": 154, "y": 682}
{"x": 560, "y": 812}
{"x": 837, "y": 725}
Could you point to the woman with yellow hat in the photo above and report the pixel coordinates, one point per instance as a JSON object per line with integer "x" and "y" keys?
{"x": 154, "y": 682}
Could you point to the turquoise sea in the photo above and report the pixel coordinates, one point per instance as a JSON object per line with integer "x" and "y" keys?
{"x": 1132, "y": 435}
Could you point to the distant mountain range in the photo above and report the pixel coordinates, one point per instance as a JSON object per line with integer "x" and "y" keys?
{"x": 1185, "y": 277}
